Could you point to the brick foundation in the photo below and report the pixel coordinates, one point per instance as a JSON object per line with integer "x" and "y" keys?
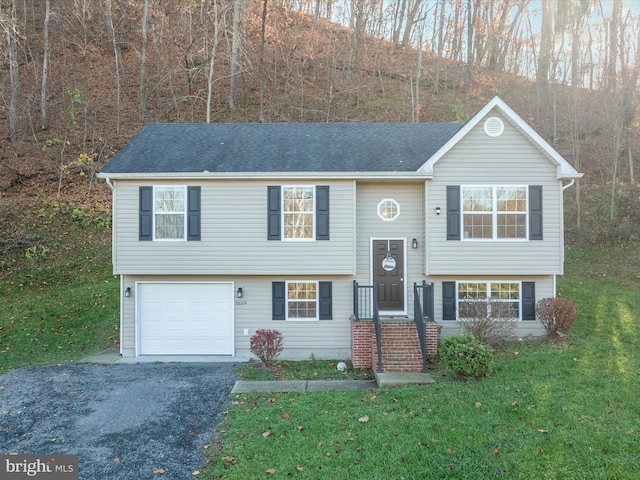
{"x": 400, "y": 345}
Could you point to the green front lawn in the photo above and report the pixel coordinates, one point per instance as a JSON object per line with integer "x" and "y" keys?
{"x": 545, "y": 412}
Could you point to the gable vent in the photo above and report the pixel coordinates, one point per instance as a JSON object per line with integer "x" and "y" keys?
{"x": 493, "y": 126}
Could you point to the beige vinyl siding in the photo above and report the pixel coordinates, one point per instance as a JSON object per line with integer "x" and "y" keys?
{"x": 407, "y": 226}
{"x": 506, "y": 160}
{"x": 234, "y": 234}
{"x": 524, "y": 328}
{"x": 324, "y": 339}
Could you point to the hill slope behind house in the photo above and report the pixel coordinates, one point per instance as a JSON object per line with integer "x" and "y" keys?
{"x": 308, "y": 69}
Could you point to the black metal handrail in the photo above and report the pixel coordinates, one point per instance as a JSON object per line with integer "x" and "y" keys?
{"x": 362, "y": 296}
{"x": 365, "y": 307}
{"x": 420, "y": 325}
{"x": 378, "y": 329}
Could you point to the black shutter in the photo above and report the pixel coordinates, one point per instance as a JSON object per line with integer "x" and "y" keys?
{"x": 193, "y": 213}
{"x": 322, "y": 213}
{"x": 278, "y": 301}
{"x": 273, "y": 213}
{"x": 453, "y": 212}
{"x": 528, "y": 301}
{"x": 448, "y": 300}
{"x": 326, "y": 311}
{"x": 535, "y": 212}
{"x": 145, "y": 231}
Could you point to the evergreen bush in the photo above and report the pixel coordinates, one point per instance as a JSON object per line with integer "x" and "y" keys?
{"x": 465, "y": 356}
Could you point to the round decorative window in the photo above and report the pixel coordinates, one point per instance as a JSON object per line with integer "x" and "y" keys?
{"x": 388, "y": 209}
{"x": 493, "y": 126}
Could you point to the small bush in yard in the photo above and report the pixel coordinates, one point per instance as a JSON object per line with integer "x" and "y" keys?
{"x": 490, "y": 322}
{"x": 465, "y": 356}
{"x": 266, "y": 345}
{"x": 557, "y": 316}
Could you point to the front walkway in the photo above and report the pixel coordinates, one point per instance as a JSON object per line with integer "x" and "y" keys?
{"x": 383, "y": 380}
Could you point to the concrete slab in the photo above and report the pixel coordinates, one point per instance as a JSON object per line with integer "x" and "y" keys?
{"x": 245, "y": 386}
{"x": 112, "y": 356}
{"x": 394, "y": 379}
{"x": 340, "y": 385}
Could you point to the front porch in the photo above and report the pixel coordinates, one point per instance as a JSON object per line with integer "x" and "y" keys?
{"x": 393, "y": 344}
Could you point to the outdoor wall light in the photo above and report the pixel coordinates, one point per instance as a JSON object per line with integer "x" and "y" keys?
{"x": 127, "y": 292}
{"x": 239, "y": 293}
{"x": 414, "y": 243}
{"x": 437, "y": 210}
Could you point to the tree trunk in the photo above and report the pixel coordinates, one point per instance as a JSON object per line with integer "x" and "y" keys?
{"x": 263, "y": 23}
{"x": 143, "y": 61}
{"x": 12, "y": 34}
{"x": 355, "y": 37}
{"x": 44, "y": 123}
{"x": 546, "y": 45}
{"x": 116, "y": 53}
{"x": 214, "y": 48}
{"x": 235, "y": 47}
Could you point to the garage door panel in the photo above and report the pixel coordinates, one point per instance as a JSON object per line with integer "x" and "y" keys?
{"x": 185, "y": 318}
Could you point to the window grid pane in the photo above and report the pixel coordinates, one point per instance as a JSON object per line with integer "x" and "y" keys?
{"x": 499, "y": 300}
{"x": 494, "y": 212}
{"x": 298, "y": 208}
{"x": 169, "y": 213}
{"x": 302, "y": 300}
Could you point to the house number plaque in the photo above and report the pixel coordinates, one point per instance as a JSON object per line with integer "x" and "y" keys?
{"x": 389, "y": 263}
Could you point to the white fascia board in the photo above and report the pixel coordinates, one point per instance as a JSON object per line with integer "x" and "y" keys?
{"x": 565, "y": 170}
{"x": 390, "y": 176}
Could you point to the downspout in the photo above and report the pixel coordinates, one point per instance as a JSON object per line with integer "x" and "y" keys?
{"x": 573, "y": 180}
{"x": 108, "y": 180}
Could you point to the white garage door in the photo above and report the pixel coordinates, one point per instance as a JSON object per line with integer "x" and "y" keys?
{"x": 185, "y": 318}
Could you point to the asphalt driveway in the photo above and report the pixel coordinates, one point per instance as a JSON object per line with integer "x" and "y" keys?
{"x": 123, "y": 421}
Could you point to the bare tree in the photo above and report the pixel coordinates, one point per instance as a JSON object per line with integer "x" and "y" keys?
{"x": 143, "y": 60}
{"x": 116, "y": 53}
{"x": 358, "y": 19}
{"x": 489, "y": 321}
{"x": 212, "y": 58}
{"x": 235, "y": 48}
{"x": 263, "y": 23}
{"x": 45, "y": 67}
{"x": 8, "y": 22}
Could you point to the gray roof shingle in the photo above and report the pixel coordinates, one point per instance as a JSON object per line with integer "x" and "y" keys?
{"x": 280, "y": 147}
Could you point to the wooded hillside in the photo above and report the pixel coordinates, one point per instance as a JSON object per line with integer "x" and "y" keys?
{"x": 79, "y": 78}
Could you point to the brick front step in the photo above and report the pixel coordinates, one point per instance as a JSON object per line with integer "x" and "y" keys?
{"x": 400, "y": 345}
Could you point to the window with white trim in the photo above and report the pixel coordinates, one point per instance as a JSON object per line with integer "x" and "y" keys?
{"x": 298, "y": 212}
{"x": 494, "y": 212}
{"x": 499, "y": 300}
{"x": 388, "y": 209}
{"x": 169, "y": 212}
{"x": 302, "y": 300}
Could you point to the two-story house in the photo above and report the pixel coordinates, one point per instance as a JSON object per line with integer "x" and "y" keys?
{"x": 223, "y": 229}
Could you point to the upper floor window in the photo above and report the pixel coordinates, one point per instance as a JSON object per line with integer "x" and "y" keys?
{"x": 299, "y": 212}
{"x": 506, "y": 212}
{"x": 494, "y": 212}
{"x": 169, "y": 213}
{"x": 388, "y": 209}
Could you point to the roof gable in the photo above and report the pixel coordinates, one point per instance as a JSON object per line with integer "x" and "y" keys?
{"x": 564, "y": 169}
